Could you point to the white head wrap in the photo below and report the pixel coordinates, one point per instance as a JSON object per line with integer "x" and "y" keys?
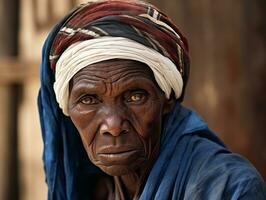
{"x": 84, "y": 53}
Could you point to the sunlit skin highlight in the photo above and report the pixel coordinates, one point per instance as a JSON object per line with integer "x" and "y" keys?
{"x": 117, "y": 107}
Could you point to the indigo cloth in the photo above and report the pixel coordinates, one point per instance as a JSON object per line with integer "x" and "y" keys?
{"x": 194, "y": 164}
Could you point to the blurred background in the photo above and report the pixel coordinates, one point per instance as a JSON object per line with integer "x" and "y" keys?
{"x": 227, "y": 83}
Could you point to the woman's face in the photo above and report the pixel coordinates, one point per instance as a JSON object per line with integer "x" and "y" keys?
{"x": 117, "y": 108}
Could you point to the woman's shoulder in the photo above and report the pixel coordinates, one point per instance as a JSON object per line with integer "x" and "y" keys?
{"x": 218, "y": 173}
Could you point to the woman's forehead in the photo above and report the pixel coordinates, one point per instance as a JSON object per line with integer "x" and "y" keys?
{"x": 113, "y": 78}
{"x": 113, "y": 70}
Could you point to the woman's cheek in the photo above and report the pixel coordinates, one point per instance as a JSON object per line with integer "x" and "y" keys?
{"x": 86, "y": 123}
{"x": 148, "y": 119}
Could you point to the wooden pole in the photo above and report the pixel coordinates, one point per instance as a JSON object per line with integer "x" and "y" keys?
{"x": 9, "y": 103}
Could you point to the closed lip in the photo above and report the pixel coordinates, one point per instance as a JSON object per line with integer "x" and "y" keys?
{"x": 115, "y": 156}
{"x": 117, "y": 149}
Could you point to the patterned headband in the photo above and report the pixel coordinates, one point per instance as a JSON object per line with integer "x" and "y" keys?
{"x": 135, "y": 20}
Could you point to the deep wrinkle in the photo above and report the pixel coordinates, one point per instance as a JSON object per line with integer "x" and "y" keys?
{"x": 83, "y": 85}
{"x": 129, "y": 128}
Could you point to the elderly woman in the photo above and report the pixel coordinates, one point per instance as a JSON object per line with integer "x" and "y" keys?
{"x": 113, "y": 76}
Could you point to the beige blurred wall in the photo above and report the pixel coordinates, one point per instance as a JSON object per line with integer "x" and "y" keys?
{"x": 36, "y": 20}
{"x": 4, "y": 154}
{"x": 32, "y": 181}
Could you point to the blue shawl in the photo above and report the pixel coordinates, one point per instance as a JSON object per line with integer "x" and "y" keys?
{"x": 192, "y": 164}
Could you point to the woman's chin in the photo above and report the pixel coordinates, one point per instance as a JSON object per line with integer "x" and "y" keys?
{"x": 122, "y": 169}
{"x": 117, "y": 170}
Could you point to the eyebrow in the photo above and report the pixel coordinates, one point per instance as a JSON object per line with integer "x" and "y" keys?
{"x": 100, "y": 87}
{"x": 141, "y": 83}
{"x": 87, "y": 86}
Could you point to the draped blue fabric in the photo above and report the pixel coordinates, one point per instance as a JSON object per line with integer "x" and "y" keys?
{"x": 192, "y": 164}
{"x": 195, "y": 165}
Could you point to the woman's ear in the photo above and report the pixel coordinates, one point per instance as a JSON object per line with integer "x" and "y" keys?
{"x": 169, "y": 104}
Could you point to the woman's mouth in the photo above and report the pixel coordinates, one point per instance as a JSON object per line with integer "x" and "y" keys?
{"x": 118, "y": 156}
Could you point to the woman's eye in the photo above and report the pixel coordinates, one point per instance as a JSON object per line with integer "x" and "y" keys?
{"x": 137, "y": 97}
{"x": 89, "y": 100}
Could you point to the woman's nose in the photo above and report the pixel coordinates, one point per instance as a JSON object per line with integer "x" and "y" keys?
{"x": 114, "y": 124}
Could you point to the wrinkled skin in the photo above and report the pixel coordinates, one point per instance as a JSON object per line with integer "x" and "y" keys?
{"x": 118, "y": 107}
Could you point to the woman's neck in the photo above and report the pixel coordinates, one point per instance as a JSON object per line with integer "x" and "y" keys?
{"x": 128, "y": 185}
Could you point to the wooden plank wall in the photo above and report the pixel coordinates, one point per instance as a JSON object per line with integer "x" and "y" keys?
{"x": 9, "y": 95}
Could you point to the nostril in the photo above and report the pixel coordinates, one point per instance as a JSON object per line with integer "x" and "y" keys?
{"x": 114, "y": 132}
{"x": 105, "y": 133}
{"x": 104, "y": 130}
{"x": 124, "y": 132}
{"x": 114, "y": 125}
